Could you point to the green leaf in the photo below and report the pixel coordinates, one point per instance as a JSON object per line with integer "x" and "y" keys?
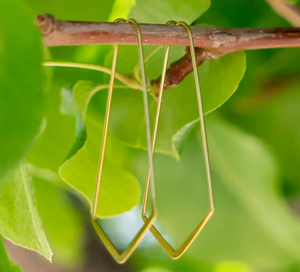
{"x": 21, "y": 78}
{"x": 249, "y": 210}
{"x": 19, "y": 219}
{"x": 6, "y": 265}
{"x": 181, "y": 136}
{"x": 159, "y": 12}
{"x": 62, "y": 223}
{"x": 119, "y": 189}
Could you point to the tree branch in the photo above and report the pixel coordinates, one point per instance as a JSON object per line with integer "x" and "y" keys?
{"x": 212, "y": 42}
{"x": 286, "y": 10}
{"x": 221, "y": 40}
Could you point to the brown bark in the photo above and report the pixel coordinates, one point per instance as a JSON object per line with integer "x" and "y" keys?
{"x": 210, "y": 42}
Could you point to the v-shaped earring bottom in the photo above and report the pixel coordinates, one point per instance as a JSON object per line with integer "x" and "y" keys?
{"x": 123, "y": 256}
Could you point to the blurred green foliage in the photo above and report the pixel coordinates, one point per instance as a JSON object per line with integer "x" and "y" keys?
{"x": 254, "y": 146}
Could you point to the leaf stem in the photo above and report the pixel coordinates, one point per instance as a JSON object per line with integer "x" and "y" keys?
{"x": 131, "y": 83}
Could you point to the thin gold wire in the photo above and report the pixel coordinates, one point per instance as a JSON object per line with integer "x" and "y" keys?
{"x": 123, "y": 256}
{"x": 159, "y": 102}
{"x": 175, "y": 254}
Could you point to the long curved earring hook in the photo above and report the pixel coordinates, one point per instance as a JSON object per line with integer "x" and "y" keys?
{"x": 123, "y": 256}
{"x": 175, "y": 254}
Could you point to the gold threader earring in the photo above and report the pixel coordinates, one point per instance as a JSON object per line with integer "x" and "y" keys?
{"x": 123, "y": 256}
{"x": 175, "y": 254}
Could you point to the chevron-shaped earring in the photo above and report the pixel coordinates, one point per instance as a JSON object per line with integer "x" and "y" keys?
{"x": 123, "y": 256}
{"x": 175, "y": 254}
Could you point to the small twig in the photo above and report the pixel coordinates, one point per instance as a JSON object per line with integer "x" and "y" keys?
{"x": 286, "y": 10}
{"x": 181, "y": 68}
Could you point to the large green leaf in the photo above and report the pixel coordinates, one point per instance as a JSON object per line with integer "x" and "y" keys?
{"x": 21, "y": 78}
{"x": 251, "y": 223}
{"x": 62, "y": 222}
{"x": 218, "y": 78}
{"x": 6, "y": 265}
{"x": 19, "y": 219}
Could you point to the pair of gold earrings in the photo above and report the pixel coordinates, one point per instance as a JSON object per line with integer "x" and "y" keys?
{"x": 149, "y": 220}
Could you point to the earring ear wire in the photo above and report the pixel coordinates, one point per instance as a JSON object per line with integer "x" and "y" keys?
{"x": 175, "y": 254}
{"x": 123, "y": 256}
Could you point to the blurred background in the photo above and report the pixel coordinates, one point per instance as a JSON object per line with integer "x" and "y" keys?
{"x": 254, "y": 141}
